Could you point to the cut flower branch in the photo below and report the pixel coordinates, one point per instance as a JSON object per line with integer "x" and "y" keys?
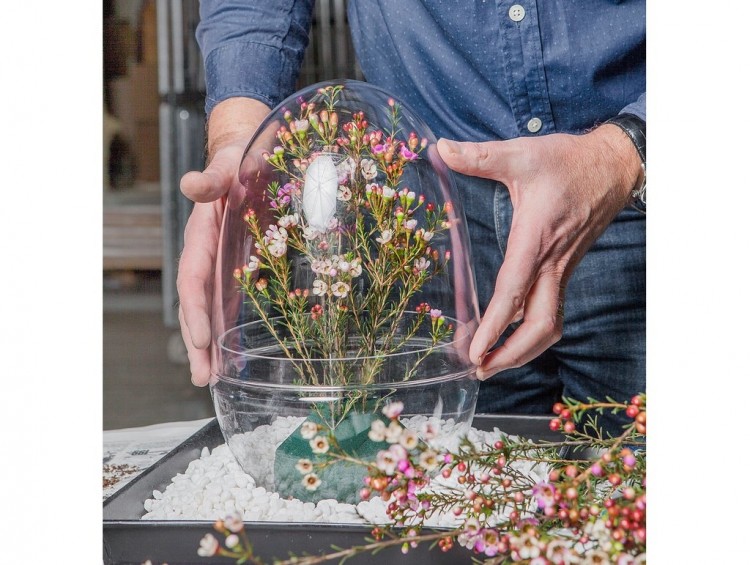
{"x": 342, "y": 210}
{"x": 586, "y": 510}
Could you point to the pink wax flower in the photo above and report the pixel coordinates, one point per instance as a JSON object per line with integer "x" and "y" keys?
{"x": 393, "y": 410}
{"x": 544, "y": 494}
{"x": 407, "y": 154}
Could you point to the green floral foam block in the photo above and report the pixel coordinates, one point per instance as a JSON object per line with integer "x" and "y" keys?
{"x": 339, "y": 480}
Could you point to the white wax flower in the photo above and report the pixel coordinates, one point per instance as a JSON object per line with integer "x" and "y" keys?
{"x": 369, "y": 169}
{"x": 320, "y": 192}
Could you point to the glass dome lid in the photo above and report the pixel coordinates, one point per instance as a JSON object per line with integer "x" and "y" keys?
{"x": 344, "y": 241}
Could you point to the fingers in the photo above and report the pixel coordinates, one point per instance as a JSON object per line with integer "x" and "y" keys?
{"x": 514, "y": 280}
{"x": 200, "y": 364}
{"x": 194, "y": 285}
{"x": 541, "y": 328}
{"x": 194, "y": 308}
{"x": 215, "y": 180}
{"x": 487, "y": 159}
{"x": 198, "y": 257}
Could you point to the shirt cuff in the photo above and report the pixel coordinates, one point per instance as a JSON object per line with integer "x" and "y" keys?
{"x": 637, "y": 108}
{"x": 248, "y": 69}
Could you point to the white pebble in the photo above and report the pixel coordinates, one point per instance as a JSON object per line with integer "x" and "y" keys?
{"x": 215, "y": 484}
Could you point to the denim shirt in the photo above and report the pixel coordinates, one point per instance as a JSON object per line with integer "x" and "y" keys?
{"x": 474, "y": 70}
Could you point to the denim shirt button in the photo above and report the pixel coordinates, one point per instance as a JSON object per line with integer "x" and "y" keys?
{"x": 534, "y": 125}
{"x": 516, "y": 12}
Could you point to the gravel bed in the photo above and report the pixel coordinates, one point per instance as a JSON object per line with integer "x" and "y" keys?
{"x": 215, "y": 485}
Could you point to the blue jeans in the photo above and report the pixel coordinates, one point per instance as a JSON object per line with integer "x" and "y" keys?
{"x": 603, "y": 347}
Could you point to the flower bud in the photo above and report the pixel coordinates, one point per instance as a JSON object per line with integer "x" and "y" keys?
{"x": 413, "y": 141}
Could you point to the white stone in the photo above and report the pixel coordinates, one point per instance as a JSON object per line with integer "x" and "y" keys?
{"x": 216, "y": 485}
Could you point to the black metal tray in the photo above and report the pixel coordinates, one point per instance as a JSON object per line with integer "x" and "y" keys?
{"x": 130, "y": 540}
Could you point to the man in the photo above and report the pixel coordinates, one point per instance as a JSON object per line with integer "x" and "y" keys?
{"x": 526, "y": 89}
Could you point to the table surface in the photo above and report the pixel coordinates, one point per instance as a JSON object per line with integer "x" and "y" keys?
{"x": 128, "y": 452}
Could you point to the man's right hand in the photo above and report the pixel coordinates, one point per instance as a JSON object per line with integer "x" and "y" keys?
{"x": 230, "y": 127}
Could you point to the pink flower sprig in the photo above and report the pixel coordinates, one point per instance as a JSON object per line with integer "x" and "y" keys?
{"x": 580, "y": 513}
{"x": 391, "y": 237}
{"x": 236, "y": 543}
{"x": 605, "y": 512}
{"x": 393, "y": 155}
{"x": 281, "y": 196}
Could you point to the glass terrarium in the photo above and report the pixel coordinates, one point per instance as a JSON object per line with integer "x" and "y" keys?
{"x": 344, "y": 298}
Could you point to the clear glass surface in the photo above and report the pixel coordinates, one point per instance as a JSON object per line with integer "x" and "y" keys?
{"x": 343, "y": 279}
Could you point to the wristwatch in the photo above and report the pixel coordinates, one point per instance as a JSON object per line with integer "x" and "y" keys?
{"x": 635, "y": 128}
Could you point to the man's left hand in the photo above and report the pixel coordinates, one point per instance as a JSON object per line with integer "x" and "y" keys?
{"x": 565, "y": 190}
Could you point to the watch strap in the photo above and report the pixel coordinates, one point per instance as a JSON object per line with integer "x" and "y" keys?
{"x": 635, "y": 128}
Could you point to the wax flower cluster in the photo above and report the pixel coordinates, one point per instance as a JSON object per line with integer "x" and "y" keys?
{"x": 591, "y": 510}
{"x": 586, "y": 510}
{"x": 337, "y": 208}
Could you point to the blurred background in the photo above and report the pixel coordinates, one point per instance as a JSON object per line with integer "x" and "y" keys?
{"x": 153, "y": 132}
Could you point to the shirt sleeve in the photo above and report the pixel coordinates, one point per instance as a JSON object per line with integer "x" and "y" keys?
{"x": 252, "y": 48}
{"x": 637, "y": 108}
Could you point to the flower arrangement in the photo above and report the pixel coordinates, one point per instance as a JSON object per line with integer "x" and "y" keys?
{"x": 347, "y": 272}
{"x": 340, "y": 211}
{"x": 587, "y": 510}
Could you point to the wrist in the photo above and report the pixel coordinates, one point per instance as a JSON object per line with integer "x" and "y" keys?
{"x": 626, "y": 159}
{"x": 635, "y": 129}
{"x": 233, "y": 121}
